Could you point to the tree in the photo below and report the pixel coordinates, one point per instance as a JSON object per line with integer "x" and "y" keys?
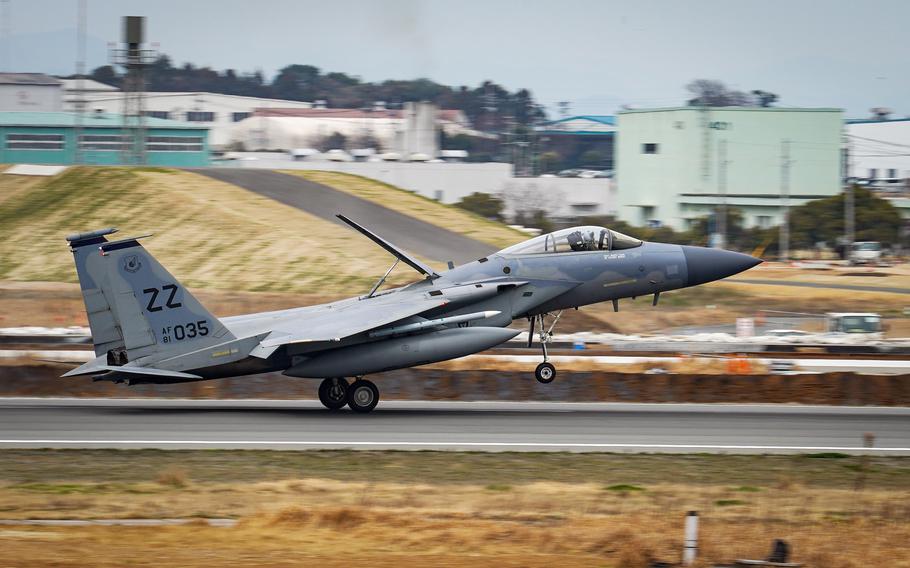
{"x": 764, "y": 98}
{"x": 549, "y": 161}
{"x": 530, "y": 206}
{"x": 822, "y": 220}
{"x": 334, "y": 141}
{"x": 105, "y": 74}
{"x": 483, "y": 204}
{"x": 593, "y": 158}
{"x": 707, "y": 92}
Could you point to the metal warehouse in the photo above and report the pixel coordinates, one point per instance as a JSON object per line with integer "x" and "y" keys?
{"x": 99, "y": 139}
{"x": 675, "y": 165}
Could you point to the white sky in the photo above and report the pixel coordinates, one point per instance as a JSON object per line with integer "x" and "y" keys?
{"x": 598, "y": 54}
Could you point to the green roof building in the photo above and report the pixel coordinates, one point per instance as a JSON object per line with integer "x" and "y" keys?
{"x": 51, "y": 138}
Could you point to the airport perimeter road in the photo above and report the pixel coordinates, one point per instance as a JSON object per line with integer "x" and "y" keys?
{"x": 497, "y": 426}
{"x": 410, "y": 233}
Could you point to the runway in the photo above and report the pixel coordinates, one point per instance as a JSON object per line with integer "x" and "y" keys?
{"x": 481, "y": 426}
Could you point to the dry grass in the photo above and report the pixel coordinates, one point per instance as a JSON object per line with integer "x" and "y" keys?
{"x": 381, "y": 523}
{"x": 466, "y": 510}
{"x": 210, "y": 234}
{"x": 445, "y": 216}
{"x": 13, "y": 186}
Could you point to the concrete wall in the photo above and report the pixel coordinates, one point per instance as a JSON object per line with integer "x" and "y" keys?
{"x": 36, "y": 379}
{"x": 31, "y": 98}
{"x": 681, "y": 179}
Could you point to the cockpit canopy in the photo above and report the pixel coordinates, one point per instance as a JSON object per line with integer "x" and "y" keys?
{"x": 574, "y": 239}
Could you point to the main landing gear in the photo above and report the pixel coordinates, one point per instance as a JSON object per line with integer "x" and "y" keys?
{"x": 545, "y": 372}
{"x": 361, "y": 395}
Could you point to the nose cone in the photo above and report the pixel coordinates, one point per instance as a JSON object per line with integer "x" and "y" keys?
{"x": 707, "y": 264}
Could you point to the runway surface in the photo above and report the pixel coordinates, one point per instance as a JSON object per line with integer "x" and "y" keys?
{"x": 485, "y": 426}
{"x": 410, "y": 233}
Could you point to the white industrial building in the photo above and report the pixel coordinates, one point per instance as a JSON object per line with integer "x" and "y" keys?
{"x": 675, "y": 165}
{"x": 215, "y": 111}
{"x": 878, "y": 151}
{"x": 30, "y": 92}
{"x": 413, "y": 130}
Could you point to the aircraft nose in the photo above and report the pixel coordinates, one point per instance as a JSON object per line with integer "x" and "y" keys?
{"x": 707, "y": 264}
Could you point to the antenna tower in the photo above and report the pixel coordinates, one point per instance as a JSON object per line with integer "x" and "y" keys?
{"x": 134, "y": 59}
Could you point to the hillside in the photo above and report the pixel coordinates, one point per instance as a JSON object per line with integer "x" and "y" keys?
{"x": 209, "y": 234}
{"x": 446, "y": 216}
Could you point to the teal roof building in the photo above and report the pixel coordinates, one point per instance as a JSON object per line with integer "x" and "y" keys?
{"x": 103, "y": 139}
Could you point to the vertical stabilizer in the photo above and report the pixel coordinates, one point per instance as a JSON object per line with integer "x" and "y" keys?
{"x": 135, "y": 307}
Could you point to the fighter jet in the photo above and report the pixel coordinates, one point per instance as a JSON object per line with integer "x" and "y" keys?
{"x": 148, "y": 328}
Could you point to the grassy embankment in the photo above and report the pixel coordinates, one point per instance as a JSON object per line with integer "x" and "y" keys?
{"x": 441, "y": 508}
{"x": 210, "y": 234}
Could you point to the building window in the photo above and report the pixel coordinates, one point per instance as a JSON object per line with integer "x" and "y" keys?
{"x": 200, "y": 116}
{"x": 238, "y": 116}
{"x": 105, "y": 142}
{"x": 649, "y": 148}
{"x": 174, "y": 144}
{"x": 764, "y": 221}
{"x": 34, "y": 141}
{"x": 892, "y": 173}
{"x": 873, "y": 173}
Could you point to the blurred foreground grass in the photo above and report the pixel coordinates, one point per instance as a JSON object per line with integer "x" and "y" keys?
{"x": 333, "y": 508}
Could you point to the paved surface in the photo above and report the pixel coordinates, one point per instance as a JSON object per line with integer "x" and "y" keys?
{"x": 410, "y": 233}
{"x": 856, "y": 287}
{"x": 498, "y": 426}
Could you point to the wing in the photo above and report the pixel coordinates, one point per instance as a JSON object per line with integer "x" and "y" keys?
{"x": 338, "y": 321}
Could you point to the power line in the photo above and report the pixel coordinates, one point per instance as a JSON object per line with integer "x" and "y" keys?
{"x": 878, "y": 141}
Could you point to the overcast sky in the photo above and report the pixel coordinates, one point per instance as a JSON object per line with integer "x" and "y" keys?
{"x": 597, "y": 54}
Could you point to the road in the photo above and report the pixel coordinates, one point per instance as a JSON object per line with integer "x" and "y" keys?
{"x": 410, "y": 233}
{"x": 491, "y": 426}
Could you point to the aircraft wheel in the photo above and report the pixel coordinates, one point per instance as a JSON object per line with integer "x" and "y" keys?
{"x": 333, "y": 393}
{"x": 362, "y": 396}
{"x": 545, "y": 373}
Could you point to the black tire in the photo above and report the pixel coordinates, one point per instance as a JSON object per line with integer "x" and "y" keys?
{"x": 333, "y": 393}
{"x": 363, "y": 396}
{"x": 545, "y": 373}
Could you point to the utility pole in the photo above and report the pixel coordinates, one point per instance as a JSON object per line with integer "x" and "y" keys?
{"x": 849, "y": 205}
{"x": 784, "y": 252}
{"x": 722, "y": 190}
{"x": 80, "y": 82}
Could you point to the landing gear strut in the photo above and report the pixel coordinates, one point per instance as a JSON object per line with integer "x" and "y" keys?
{"x": 333, "y": 393}
{"x": 545, "y": 372}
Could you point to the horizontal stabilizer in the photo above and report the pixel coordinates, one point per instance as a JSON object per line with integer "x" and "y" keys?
{"x": 93, "y": 368}
{"x": 394, "y": 250}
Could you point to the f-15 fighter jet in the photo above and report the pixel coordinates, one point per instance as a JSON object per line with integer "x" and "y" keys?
{"x": 148, "y": 328}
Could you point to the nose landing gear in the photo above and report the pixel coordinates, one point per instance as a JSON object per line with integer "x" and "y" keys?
{"x": 545, "y": 372}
